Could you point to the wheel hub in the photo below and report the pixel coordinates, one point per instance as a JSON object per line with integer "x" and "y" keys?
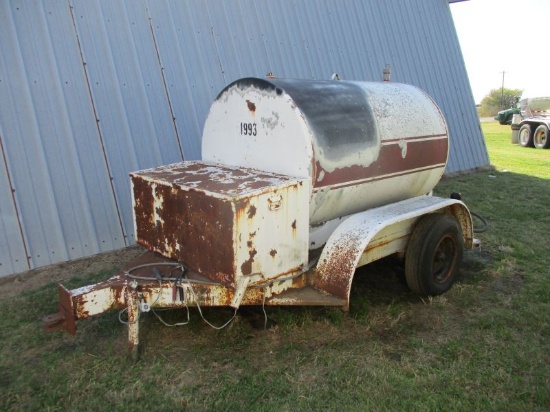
{"x": 444, "y": 259}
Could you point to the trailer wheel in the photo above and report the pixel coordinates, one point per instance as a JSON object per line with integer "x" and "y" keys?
{"x": 540, "y": 137}
{"x": 525, "y": 137}
{"x": 434, "y": 254}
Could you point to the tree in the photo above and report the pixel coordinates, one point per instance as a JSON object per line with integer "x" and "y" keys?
{"x": 498, "y": 99}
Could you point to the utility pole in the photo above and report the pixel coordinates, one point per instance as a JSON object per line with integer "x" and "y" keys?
{"x": 502, "y": 91}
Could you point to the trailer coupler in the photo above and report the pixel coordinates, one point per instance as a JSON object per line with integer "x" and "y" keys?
{"x": 65, "y": 318}
{"x": 150, "y": 281}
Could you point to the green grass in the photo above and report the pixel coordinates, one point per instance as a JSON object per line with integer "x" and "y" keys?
{"x": 484, "y": 345}
{"x": 507, "y": 157}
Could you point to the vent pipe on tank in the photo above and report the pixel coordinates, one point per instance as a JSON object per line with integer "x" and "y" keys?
{"x": 387, "y": 73}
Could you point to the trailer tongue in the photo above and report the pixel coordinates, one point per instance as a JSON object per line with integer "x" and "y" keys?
{"x": 301, "y": 182}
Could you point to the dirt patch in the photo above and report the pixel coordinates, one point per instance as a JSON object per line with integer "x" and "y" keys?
{"x": 32, "y": 279}
{"x": 474, "y": 262}
{"x": 510, "y": 285}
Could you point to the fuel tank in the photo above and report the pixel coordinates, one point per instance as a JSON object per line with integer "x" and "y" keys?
{"x": 361, "y": 144}
{"x": 535, "y": 105}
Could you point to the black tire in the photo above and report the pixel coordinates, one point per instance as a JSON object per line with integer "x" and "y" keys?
{"x": 434, "y": 254}
{"x": 525, "y": 136}
{"x": 540, "y": 137}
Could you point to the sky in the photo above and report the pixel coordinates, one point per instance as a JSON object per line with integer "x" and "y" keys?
{"x": 504, "y": 35}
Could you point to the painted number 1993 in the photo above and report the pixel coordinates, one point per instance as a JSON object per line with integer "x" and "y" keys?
{"x": 248, "y": 129}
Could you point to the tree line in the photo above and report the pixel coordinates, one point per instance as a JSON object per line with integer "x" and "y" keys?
{"x": 497, "y": 100}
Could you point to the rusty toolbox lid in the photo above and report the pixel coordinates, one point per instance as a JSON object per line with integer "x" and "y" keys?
{"x": 216, "y": 179}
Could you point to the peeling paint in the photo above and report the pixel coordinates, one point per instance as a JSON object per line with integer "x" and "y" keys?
{"x": 197, "y": 213}
{"x": 345, "y": 136}
{"x": 246, "y": 267}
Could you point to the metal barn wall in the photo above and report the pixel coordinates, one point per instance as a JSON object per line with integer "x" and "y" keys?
{"x": 91, "y": 90}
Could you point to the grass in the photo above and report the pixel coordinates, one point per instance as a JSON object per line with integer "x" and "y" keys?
{"x": 484, "y": 345}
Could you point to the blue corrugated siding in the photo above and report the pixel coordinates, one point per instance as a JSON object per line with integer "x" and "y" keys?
{"x": 11, "y": 240}
{"x": 127, "y": 91}
{"x": 91, "y": 90}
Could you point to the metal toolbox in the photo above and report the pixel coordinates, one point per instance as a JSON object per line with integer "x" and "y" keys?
{"x": 224, "y": 222}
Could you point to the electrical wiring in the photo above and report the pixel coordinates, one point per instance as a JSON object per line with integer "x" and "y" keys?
{"x": 128, "y": 273}
{"x": 204, "y": 319}
{"x": 177, "y": 280}
{"x": 125, "y": 322}
{"x": 172, "y": 324}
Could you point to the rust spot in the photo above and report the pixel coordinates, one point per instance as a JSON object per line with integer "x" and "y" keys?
{"x": 251, "y": 211}
{"x": 208, "y": 248}
{"x": 246, "y": 267}
{"x": 294, "y": 224}
{"x": 273, "y": 253}
{"x": 251, "y": 106}
{"x": 249, "y": 243}
{"x": 241, "y": 208}
{"x": 336, "y": 274}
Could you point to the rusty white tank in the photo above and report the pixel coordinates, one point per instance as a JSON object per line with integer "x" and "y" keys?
{"x": 362, "y": 144}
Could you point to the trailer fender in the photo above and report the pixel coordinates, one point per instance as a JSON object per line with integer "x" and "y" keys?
{"x": 376, "y": 233}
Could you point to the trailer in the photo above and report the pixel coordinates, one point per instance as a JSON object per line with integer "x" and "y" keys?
{"x": 300, "y": 183}
{"x": 533, "y": 124}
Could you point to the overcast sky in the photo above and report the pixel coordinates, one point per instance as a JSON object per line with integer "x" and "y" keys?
{"x": 504, "y": 35}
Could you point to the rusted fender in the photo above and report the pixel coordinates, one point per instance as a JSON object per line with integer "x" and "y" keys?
{"x": 379, "y": 232}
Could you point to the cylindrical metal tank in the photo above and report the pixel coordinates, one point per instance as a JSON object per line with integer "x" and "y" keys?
{"x": 362, "y": 144}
